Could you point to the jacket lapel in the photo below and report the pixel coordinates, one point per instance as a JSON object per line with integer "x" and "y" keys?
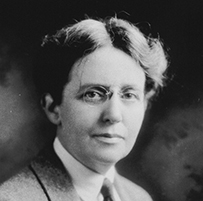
{"x": 54, "y": 178}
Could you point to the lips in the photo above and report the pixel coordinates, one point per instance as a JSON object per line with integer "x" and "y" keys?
{"x": 108, "y": 137}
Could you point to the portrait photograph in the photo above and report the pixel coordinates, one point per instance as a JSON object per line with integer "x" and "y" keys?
{"x": 101, "y": 100}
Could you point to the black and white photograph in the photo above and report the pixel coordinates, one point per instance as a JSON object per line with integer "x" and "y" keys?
{"x": 101, "y": 100}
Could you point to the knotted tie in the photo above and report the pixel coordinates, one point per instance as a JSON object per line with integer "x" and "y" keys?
{"x": 107, "y": 190}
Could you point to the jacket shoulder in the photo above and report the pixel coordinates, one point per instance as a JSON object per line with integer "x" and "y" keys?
{"x": 22, "y": 187}
{"x": 130, "y": 191}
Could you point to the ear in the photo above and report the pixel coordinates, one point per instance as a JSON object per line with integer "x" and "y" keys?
{"x": 51, "y": 110}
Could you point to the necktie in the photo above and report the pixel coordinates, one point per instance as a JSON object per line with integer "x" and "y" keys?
{"x": 107, "y": 190}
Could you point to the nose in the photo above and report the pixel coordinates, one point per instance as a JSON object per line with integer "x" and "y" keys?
{"x": 112, "y": 112}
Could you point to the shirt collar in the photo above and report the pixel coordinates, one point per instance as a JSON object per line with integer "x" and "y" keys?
{"x": 86, "y": 182}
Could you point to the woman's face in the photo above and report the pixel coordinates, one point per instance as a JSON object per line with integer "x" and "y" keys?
{"x": 102, "y": 109}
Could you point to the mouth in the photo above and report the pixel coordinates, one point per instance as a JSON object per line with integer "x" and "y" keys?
{"x": 108, "y": 138}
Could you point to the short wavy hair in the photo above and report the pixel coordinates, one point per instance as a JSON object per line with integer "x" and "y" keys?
{"x": 60, "y": 51}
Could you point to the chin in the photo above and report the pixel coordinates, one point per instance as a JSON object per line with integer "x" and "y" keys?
{"x": 110, "y": 158}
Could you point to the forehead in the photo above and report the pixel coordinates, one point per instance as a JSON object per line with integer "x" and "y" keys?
{"x": 108, "y": 66}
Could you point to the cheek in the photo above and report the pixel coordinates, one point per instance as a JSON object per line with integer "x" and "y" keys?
{"x": 134, "y": 121}
{"x": 76, "y": 116}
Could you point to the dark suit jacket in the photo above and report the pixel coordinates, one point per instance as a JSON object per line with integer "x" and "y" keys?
{"x": 46, "y": 179}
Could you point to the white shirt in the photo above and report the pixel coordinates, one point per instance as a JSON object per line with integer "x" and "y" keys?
{"x": 86, "y": 182}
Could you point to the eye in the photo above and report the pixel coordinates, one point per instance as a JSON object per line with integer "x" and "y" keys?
{"x": 130, "y": 95}
{"x": 94, "y": 95}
